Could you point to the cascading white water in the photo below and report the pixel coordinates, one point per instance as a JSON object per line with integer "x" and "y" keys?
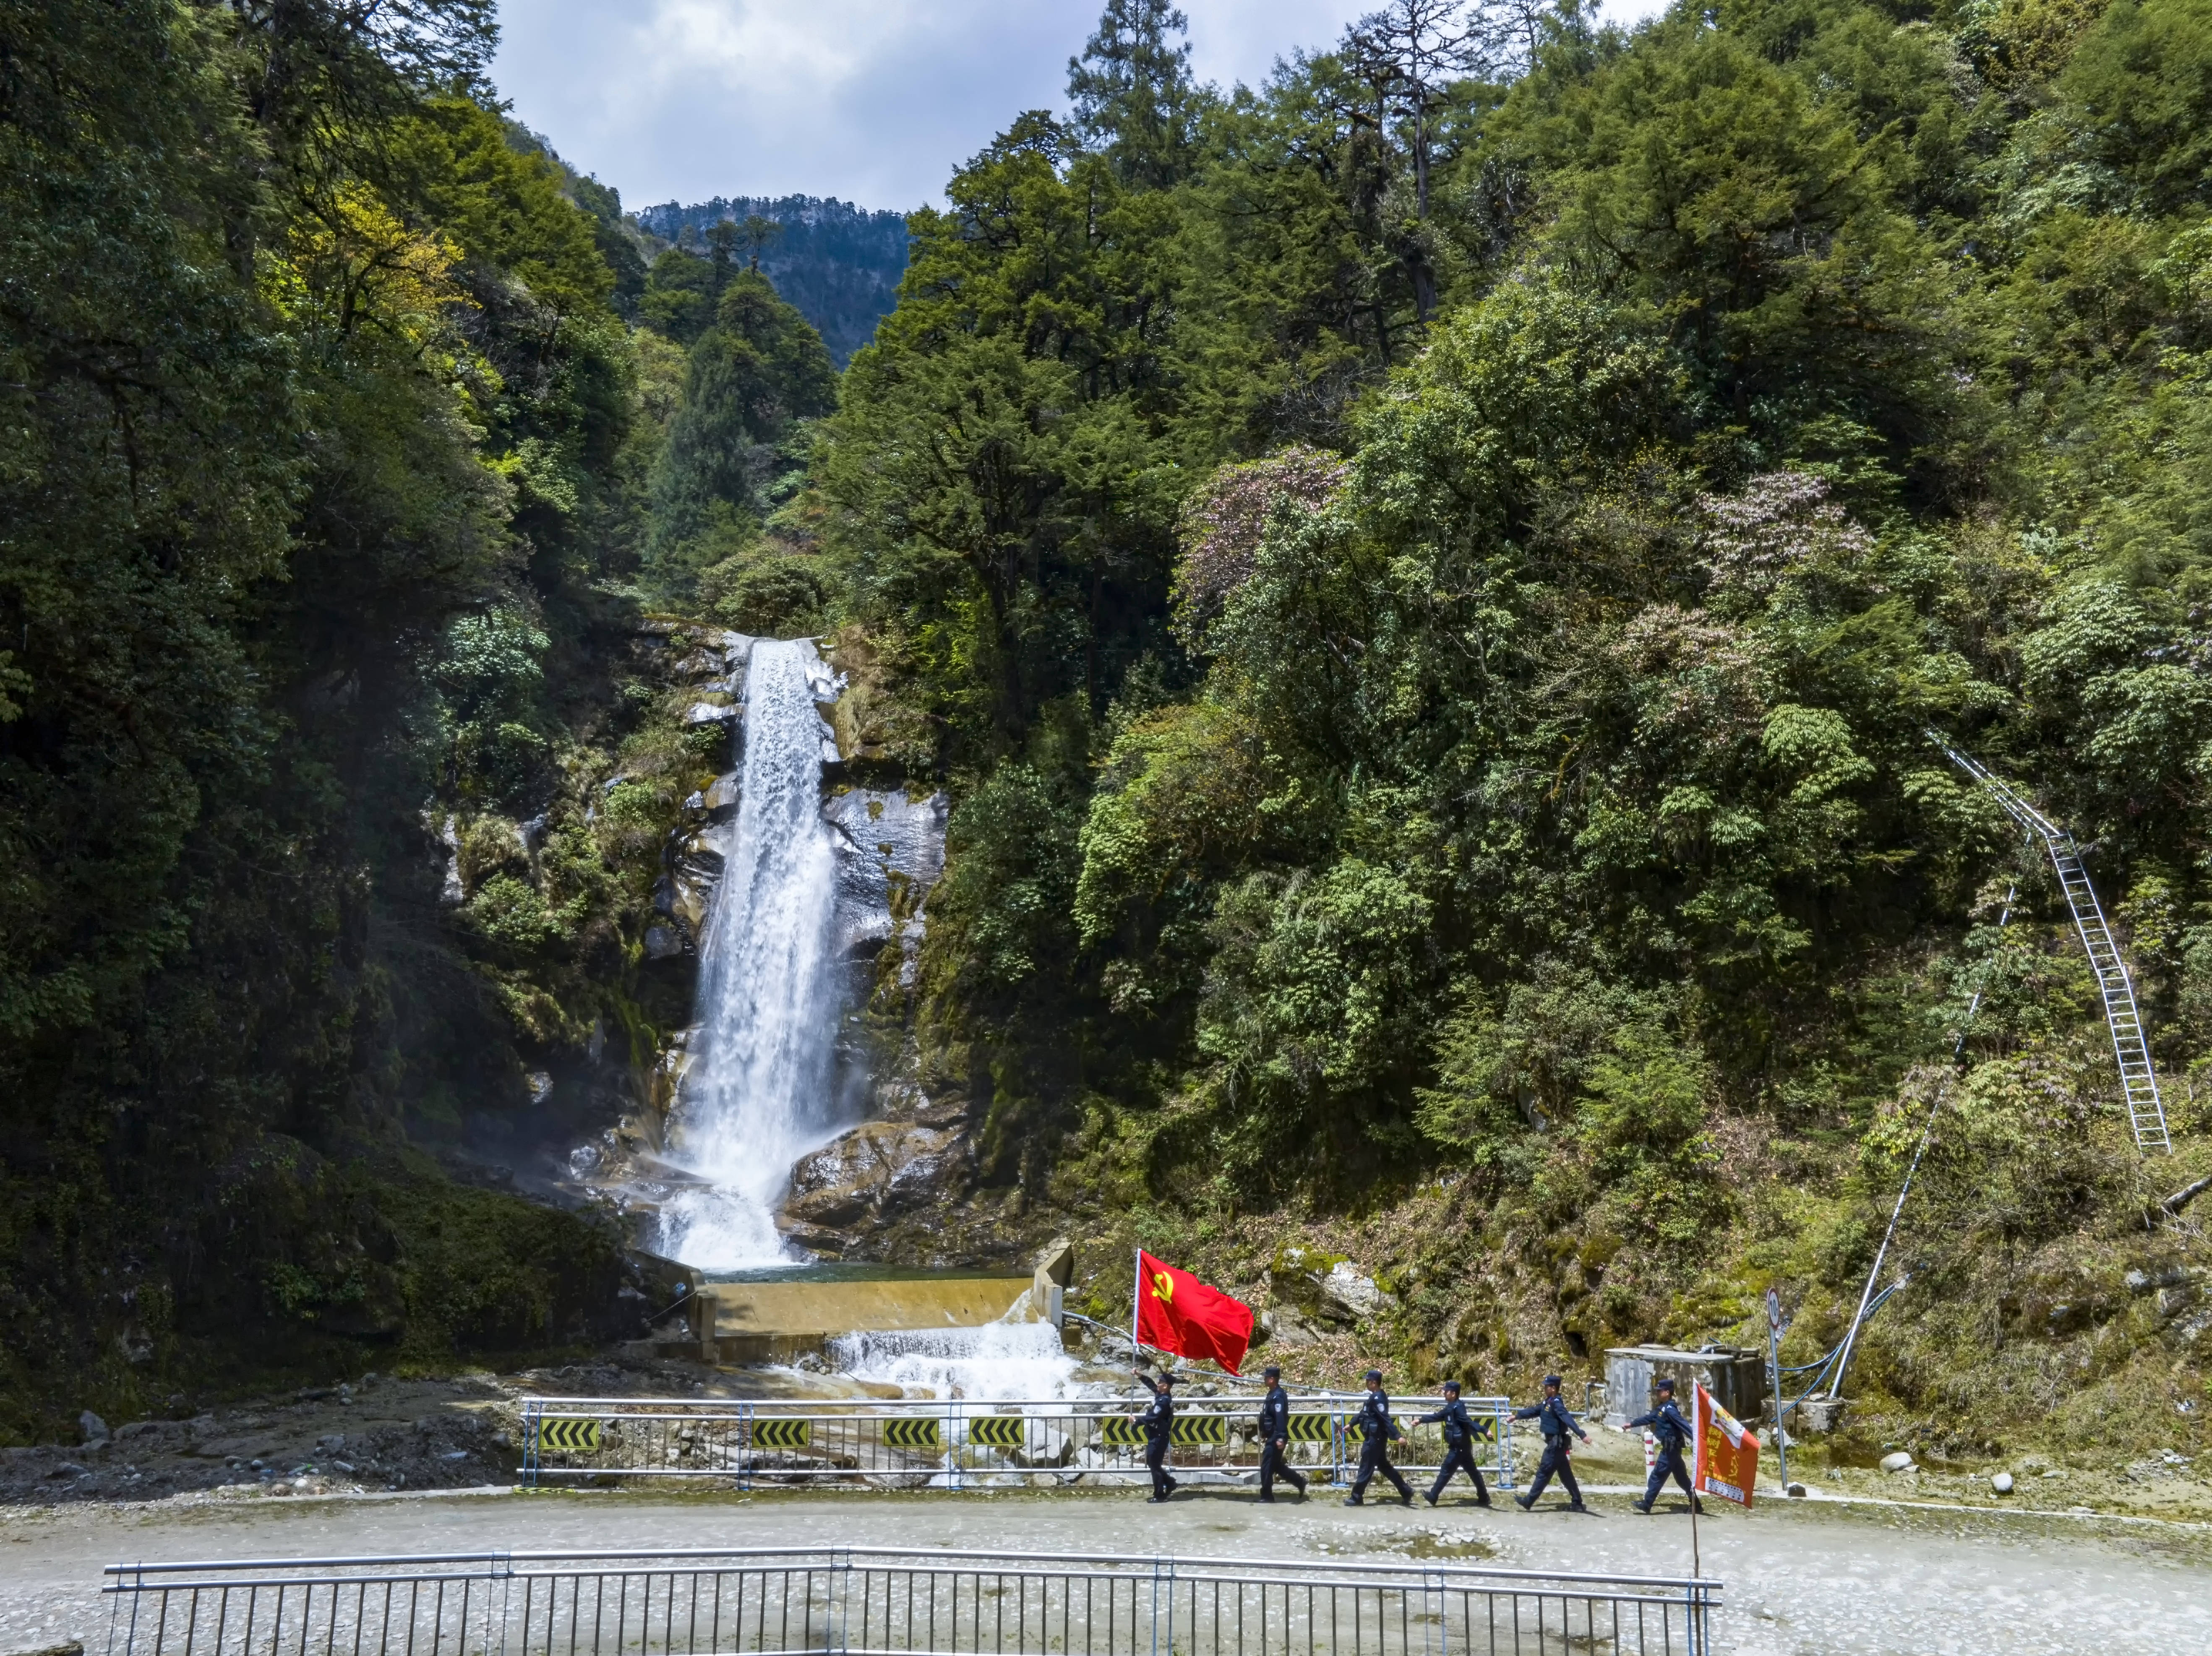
{"x": 994, "y": 1363}
{"x": 759, "y": 1095}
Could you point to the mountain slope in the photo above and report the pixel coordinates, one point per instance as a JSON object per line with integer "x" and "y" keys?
{"x": 838, "y": 265}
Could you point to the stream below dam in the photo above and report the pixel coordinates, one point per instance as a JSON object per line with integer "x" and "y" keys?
{"x": 1800, "y": 1577}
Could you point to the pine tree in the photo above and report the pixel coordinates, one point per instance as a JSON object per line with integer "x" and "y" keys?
{"x": 1132, "y": 93}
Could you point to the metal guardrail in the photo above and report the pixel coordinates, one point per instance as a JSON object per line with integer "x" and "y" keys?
{"x": 922, "y": 1443}
{"x": 873, "y": 1602}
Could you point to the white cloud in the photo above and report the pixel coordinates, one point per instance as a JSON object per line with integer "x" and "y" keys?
{"x": 874, "y": 100}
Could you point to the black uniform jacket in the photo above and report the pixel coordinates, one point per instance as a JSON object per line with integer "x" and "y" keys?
{"x": 1158, "y": 1421}
{"x": 1552, "y": 1415}
{"x": 1274, "y": 1415}
{"x": 1375, "y": 1418}
{"x": 1459, "y": 1430}
{"x": 1666, "y": 1425}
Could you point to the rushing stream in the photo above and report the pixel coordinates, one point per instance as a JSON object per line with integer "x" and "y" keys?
{"x": 760, "y": 1091}
{"x": 996, "y": 1362}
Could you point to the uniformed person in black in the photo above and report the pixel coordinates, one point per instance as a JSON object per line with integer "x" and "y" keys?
{"x": 1158, "y": 1423}
{"x": 1551, "y": 1414}
{"x": 1673, "y": 1432}
{"x": 1377, "y": 1429}
{"x": 1275, "y": 1438}
{"x": 1461, "y": 1431}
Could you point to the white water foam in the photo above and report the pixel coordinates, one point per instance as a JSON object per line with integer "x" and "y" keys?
{"x": 760, "y": 1094}
{"x": 1003, "y": 1362}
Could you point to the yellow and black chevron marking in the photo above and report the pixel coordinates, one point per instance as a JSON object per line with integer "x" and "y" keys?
{"x": 782, "y": 1433}
{"x": 1311, "y": 1429}
{"x": 999, "y": 1431}
{"x": 908, "y": 1432}
{"x": 1123, "y": 1433}
{"x": 1201, "y": 1429}
{"x": 568, "y": 1436}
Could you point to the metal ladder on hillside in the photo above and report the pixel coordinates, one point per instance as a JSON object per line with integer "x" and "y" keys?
{"x": 2138, "y": 1081}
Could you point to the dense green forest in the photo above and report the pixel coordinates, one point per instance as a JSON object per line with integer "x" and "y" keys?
{"x": 1427, "y": 581}
{"x": 1430, "y": 579}
{"x": 839, "y": 265}
{"x": 329, "y": 468}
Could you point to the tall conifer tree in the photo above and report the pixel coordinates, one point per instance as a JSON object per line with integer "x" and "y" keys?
{"x": 1132, "y": 91}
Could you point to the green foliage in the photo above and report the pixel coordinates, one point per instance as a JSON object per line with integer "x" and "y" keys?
{"x": 1429, "y": 594}
{"x": 1644, "y": 1125}
{"x": 1133, "y": 95}
{"x": 319, "y": 433}
{"x": 993, "y": 475}
{"x": 679, "y": 295}
{"x": 1513, "y": 540}
{"x": 752, "y": 376}
{"x": 838, "y": 264}
{"x": 2137, "y": 97}
{"x": 771, "y": 594}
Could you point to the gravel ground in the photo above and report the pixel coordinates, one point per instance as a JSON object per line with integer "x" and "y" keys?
{"x": 1803, "y": 1577}
{"x": 1925, "y": 1562}
{"x": 371, "y": 1435}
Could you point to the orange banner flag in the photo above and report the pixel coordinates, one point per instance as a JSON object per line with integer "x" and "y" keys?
{"x": 1177, "y": 1312}
{"x": 1726, "y": 1461}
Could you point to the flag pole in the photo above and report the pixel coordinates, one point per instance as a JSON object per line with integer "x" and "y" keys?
{"x": 1136, "y": 1299}
{"x": 1697, "y": 1406}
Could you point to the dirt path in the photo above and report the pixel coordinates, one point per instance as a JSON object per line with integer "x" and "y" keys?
{"x": 1824, "y": 1577}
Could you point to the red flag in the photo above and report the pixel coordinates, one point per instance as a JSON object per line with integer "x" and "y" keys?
{"x": 1727, "y": 1450}
{"x": 1177, "y": 1312}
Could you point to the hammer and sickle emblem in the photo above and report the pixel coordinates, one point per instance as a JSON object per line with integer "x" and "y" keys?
{"x": 1163, "y": 1286}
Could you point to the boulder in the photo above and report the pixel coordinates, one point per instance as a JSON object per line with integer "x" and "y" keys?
{"x": 1282, "y": 1325}
{"x": 1898, "y": 1462}
{"x": 2002, "y": 1484}
{"x": 1322, "y": 1289}
{"x": 1820, "y": 1415}
{"x": 701, "y": 664}
{"x": 874, "y": 1173}
{"x": 1354, "y": 1295}
{"x": 94, "y": 1427}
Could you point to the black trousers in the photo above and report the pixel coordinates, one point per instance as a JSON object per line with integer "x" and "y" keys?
{"x": 1459, "y": 1457}
{"x": 1275, "y": 1462}
{"x": 1156, "y": 1456}
{"x": 1555, "y": 1461}
{"x": 1670, "y": 1461}
{"x": 1374, "y": 1457}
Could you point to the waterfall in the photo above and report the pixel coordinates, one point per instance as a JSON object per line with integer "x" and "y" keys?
{"x": 997, "y": 1362}
{"x": 759, "y": 1093}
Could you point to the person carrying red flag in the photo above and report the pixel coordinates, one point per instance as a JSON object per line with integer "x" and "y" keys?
{"x": 1177, "y": 1312}
{"x": 1158, "y": 1423}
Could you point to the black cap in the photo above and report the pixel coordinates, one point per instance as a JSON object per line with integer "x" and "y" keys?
{"x": 1664, "y": 1383}
{"x": 1167, "y": 1377}
{"x": 1374, "y": 1376}
{"x": 1271, "y": 1372}
{"x": 1451, "y": 1385}
{"x": 1553, "y": 1379}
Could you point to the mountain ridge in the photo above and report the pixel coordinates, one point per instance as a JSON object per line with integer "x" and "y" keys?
{"x": 837, "y": 263}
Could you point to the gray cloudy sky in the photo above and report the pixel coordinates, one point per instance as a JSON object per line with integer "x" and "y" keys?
{"x": 872, "y": 101}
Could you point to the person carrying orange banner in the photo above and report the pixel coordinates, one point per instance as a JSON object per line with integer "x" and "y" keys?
{"x": 1727, "y": 1459}
{"x": 1178, "y": 1314}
